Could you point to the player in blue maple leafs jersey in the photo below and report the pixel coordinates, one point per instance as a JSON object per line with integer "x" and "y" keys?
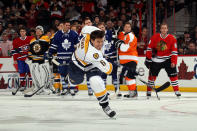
{"x": 63, "y": 44}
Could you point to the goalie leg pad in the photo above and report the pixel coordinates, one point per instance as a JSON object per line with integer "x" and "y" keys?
{"x": 45, "y": 74}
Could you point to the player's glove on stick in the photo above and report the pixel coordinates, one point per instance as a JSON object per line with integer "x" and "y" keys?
{"x": 118, "y": 42}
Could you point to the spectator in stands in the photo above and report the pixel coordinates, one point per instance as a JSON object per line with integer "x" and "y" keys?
{"x": 74, "y": 28}
{"x": 110, "y": 26}
{"x": 71, "y": 12}
{"x": 43, "y": 17}
{"x": 1, "y": 28}
{"x": 194, "y": 35}
{"x": 102, "y": 4}
{"x": 88, "y": 7}
{"x": 42, "y": 4}
{"x": 96, "y": 20}
{"x": 118, "y": 27}
{"x": 183, "y": 42}
{"x": 5, "y": 45}
{"x": 1, "y": 16}
{"x": 30, "y": 16}
{"x": 160, "y": 13}
{"x": 135, "y": 24}
{"x": 142, "y": 42}
{"x": 181, "y": 51}
{"x": 102, "y": 15}
{"x": 7, "y": 14}
{"x": 191, "y": 49}
{"x": 32, "y": 32}
{"x": 9, "y": 31}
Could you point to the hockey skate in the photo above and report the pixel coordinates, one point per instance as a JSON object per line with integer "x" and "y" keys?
{"x": 76, "y": 89}
{"x": 177, "y": 93}
{"x": 148, "y": 94}
{"x": 22, "y": 89}
{"x": 90, "y": 92}
{"x": 119, "y": 95}
{"x": 108, "y": 111}
{"x": 64, "y": 92}
{"x": 132, "y": 94}
{"x": 72, "y": 92}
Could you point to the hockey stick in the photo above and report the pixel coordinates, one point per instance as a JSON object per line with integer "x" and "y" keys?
{"x": 117, "y": 91}
{"x": 154, "y": 84}
{"x": 30, "y": 95}
{"x": 161, "y": 88}
{"x": 57, "y": 63}
{"x": 19, "y": 85}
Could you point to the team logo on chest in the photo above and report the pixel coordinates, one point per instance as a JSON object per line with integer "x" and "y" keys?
{"x": 108, "y": 46}
{"x": 66, "y": 44}
{"x": 162, "y": 46}
{"x": 37, "y": 47}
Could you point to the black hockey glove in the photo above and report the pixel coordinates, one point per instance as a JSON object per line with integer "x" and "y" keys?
{"x": 148, "y": 63}
{"x": 118, "y": 42}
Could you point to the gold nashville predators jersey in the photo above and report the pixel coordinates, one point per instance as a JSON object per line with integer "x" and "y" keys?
{"x": 87, "y": 57}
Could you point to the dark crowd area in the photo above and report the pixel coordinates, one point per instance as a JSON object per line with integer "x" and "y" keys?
{"x": 15, "y": 14}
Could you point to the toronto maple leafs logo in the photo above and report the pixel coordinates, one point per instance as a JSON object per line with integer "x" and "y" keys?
{"x": 66, "y": 44}
{"x": 108, "y": 46}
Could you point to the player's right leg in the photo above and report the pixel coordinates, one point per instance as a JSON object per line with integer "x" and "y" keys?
{"x": 98, "y": 86}
{"x": 153, "y": 73}
{"x": 22, "y": 72}
{"x": 101, "y": 94}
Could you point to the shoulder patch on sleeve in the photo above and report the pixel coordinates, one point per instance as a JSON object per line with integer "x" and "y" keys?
{"x": 96, "y": 55}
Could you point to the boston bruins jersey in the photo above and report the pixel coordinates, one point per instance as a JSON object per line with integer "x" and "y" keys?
{"x": 38, "y": 48}
{"x": 86, "y": 57}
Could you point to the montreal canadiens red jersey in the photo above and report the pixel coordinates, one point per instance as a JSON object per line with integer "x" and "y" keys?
{"x": 160, "y": 49}
{"x": 21, "y": 45}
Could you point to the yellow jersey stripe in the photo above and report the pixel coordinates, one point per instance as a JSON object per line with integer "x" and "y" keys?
{"x": 110, "y": 69}
{"x": 87, "y": 40}
{"x": 101, "y": 93}
{"x": 82, "y": 62}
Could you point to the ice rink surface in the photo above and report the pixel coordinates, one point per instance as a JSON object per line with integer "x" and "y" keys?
{"x": 82, "y": 113}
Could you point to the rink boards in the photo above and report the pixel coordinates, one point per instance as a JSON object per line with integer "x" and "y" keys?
{"x": 186, "y": 66}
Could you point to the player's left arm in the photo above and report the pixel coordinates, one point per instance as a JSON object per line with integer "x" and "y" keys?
{"x": 101, "y": 63}
{"x": 174, "y": 53}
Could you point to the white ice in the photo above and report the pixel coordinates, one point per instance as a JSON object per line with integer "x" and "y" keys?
{"x": 82, "y": 113}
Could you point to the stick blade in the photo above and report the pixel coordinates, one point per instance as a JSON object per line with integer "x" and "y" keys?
{"x": 13, "y": 93}
{"x": 164, "y": 86}
{"x": 26, "y": 95}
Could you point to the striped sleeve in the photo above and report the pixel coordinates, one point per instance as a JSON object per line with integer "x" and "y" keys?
{"x": 174, "y": 52}
{"x": 149, "y": 49}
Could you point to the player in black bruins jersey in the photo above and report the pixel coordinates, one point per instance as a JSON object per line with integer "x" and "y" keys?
{"x": 39, "y": 65}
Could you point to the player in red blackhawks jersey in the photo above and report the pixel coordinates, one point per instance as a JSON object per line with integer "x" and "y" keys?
{"x": 19, "y": 52}
{"x": 162, "y": 53}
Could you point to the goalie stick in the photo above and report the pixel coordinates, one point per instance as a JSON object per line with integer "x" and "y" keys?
{"x": 30, "y": 95}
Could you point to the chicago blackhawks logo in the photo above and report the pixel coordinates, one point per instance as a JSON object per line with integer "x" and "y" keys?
{"x": 66, "y": 44}
{"x": 161, "y": 46}
{"x": 36, "y": 48}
